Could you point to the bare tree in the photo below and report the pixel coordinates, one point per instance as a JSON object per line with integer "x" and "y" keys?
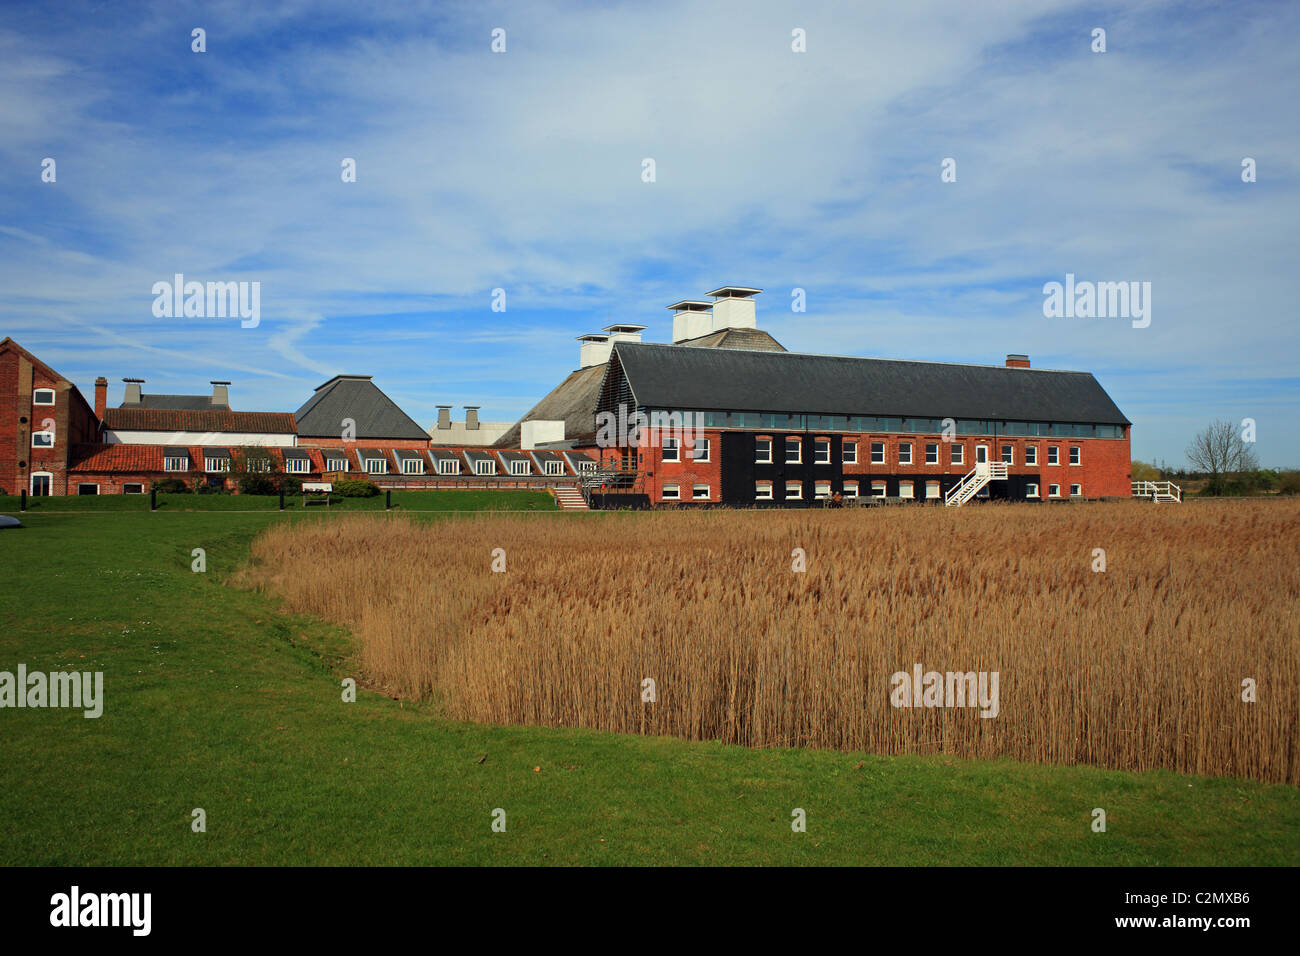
{"x": 1220, "y": 450}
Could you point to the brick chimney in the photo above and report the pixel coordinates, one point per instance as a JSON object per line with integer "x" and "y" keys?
{"x": 101, "y": 397}
{"x": 1017, "y": 361}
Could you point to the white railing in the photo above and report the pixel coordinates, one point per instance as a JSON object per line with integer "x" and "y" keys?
{"x": 1157, "y": 490}
{"x": 974, "y": 481}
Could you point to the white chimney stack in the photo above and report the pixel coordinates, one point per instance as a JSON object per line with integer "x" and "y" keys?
{"x": 691, "y": 319}
{"x": 733, "y": 308}
{"x": 594, "y": 351}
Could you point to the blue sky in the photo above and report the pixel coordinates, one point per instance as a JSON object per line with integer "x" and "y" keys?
{"x": 522, "y": 171}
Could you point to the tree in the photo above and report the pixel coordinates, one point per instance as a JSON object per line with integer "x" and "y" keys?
{"x": 1220, "y": 450}
{"x": 1141, "y": 471}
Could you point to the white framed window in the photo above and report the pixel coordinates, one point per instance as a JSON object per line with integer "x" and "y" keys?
{"x": 337, "y": 464}
{"x": 87, "y": 488}
{"x": 42, "y": 439}
{"x": 1009, "y": 454}
{"x": 376, "y": 466}
{"x": 671, "y": 493}
{"x": 1053, "y": 491}
{"x": 1076, "y": 491}
{"x": 1053, "y": 455}
{"x": 1031, "y": 454}
{"x": 672, "y": 450}
{"x": 586, "y": 465}
{"x": 958, "y": 454}
{"x": 763, "y": 452}
{"x": 877, "y": 452}
{"x": 700, "y": 492}
{"x": 41, "y": 484}
{"x": 485, "y": 466}
{"x": 42, "y": 396}
{"x": 822, "y": 451}
{"x": 850, "y": 453}
{"x": 905, "y": 489}
{"x": 1076, "y": 454}
{"x": 904, "y": 452}
{"x": 216, "y": 464}
{"x": 553, "y": 467}
{"x": 520, "y": 468}
{"x": 412, "y": 466}
{"x": 793, "y": 490}
{"x": 176, "y": 464}
{"x": 877, "y": 489}
{"x": 448, "y": 466}
{"x": 932, "y": 453}
{"x": 701, "y": 450}
{"x": 133, "y": 488}
{"x": 822, "y": 489}
{"x": 850, "y": 489}
{"x": 793, "y": 451}
{"x": 763, "y": 491}
{"x": 298, "y": 466}
{"x": 258, "y": 465}
{"x": 932, "y": 489}
{"x": 1031, "y": 490}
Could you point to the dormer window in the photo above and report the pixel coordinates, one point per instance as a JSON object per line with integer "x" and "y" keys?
{"x": 298, "y": 466}
{"x": 412, "y": 466}
{"x": 448, "y": 466}
{"x": 376, "y": 466}
{"x": 337, "y": 463}
{"x": 519, "y": 468}
{"x": 216, "y": 464}
{"x": 176, "y": 463}
{"x": 485, "y": 467}
{"x": 553, "y": 467}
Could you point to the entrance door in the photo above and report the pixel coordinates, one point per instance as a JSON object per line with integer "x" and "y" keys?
{"x": 41, "y": 482}
{"x": 981, "y": 453}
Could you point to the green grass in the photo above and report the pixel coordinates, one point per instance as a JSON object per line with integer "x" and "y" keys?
{"x": 451, "y": 499}
{"x": 214, "y": 699}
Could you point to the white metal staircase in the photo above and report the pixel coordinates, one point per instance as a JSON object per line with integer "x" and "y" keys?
{"x": 1157, "y": 491}
{"x": 969, "y": 486}
{"x": 569, "y": 498}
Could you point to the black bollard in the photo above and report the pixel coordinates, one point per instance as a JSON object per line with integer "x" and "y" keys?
{"x": 153, "y": 499}
{"x": 22, "y": 500}
{"x": 281, "y": 499}
{"x": 388, "y": 499}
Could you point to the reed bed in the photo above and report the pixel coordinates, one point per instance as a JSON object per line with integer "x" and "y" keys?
{"x": 1137, "y": 667}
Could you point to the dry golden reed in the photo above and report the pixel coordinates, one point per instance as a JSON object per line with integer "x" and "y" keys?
{"x": 1137, "y": 667}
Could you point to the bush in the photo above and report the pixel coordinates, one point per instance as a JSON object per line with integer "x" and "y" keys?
{"x": 1288, "y": 483}
{"x": 212, "y": 488}
{"x": 356, "y": 488}
{"x": 1224, "y": 488}
{"x": 290, "y": 484}
{"x": 171, "y": 486}
{"x": 251, "y": 484}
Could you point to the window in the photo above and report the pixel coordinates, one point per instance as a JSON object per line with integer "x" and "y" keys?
{"x": 1009, "y": 454}
{"x": 216, "y": 464}
{"x": 553, "y": 467}
{"x": 932, "y": 489}
{"x": 176, "y": 464}
{"x": 671, "y": 493}
{"x": 519, "y": 468}
{"x": 763, "y": 491}
{"x": 932, "y": 453}
{"x": 87, "y": 489}
{"x": 1075, "y": 454}
{"x": 586, "y": 465}
{"x": 763, "y": 452}
{"x": 337, "y": 464}
{"x": 958, "y": 453}
{"x": 822, "y": 451}
{"x": 448, "y": 466}
{"x": 850, "y": 453}
{"x": 700, "y": 492}
{"x": 43, "y": 396}
{"x": 877, "y": 452}
{"x": 905, "y": 489}
{"x": 1053, "y": 491}
{"x": 672, "y": 450}
{"x": 412, "y": 466}
{"x": 904, "y": 452}
{"x": 42, "y": 439}
{"x": 1076, "y": 491}
{"x": 259, "y": 464}
{"x": 298, "y": 466}
{"x": 793, "y": 489}
{"x": 793, "y": 451}
{"x": 41, "y": 483}
{"x": 133, "y": 488}
{"x": 701, "y": 451}
{"x": 822, "y": 489}
{"x": 376, "y": 466}
{"x": 1031, "y": 490}
{"x": 850, "y": 489}
{"x": 1053, "y": 455}
{"x": 485, "y": 466}
{"x": 877, "y": 489}
{"x": 1031, "y": 455}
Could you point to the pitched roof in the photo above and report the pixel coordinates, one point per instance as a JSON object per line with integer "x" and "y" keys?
{"x": 8, "y": 344}
{"x": 192, "y": 420}
{"x": 665, "y": 376}
{"x": 755, "y": 339}
{"x": 376, "y": 416}
{"x": 174, "y": 402}
{"x": 115, "y": 458}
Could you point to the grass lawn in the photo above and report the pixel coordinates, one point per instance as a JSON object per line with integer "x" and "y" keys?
{"x": 451, "y": 499}
{"x": 214, "y": 699}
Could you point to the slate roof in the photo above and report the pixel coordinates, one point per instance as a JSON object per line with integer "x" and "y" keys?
{"x": 177, "y": 402}
{"x": 136, "y": 418}
{"x": 356, "y": 397}
{"x": 665, "y": 376}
